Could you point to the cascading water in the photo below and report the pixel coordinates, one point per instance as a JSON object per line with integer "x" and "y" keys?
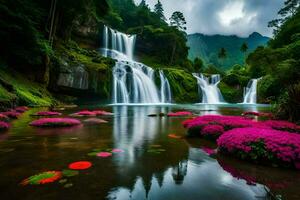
{"x": 133, "y": 82}
{"x": 250, "y": 92}
{"x": 210, "y": 91}
{"x": 165, "y": 89}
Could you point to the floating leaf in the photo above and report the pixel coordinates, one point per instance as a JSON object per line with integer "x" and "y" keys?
{"x": 117, "y": 151}
{"x": 62, "y": 181}
{"x": 43, "y": 178}
{"x": 94, "y": 153}
{"x": 69, "y": 173}
{"x": 174, "y": 136}
{"x": 104, "y": 154}
{"x": 80, "y": 165}
{"x": 68, "y": 185}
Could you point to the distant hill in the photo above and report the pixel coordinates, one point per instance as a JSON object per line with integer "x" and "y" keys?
{"x": 208, "y": 46}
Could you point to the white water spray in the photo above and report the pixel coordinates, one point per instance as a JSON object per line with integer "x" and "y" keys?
{"x": 209, "y": 87}
{"x": 133, "y": 82}
{"x": 250, "y": 92}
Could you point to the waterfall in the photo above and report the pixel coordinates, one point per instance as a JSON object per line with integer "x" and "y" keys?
{"x": 209, "y": 87}
{"x": 133, "y": 82}
{"x": 250, "y": 92}
{"x": 165, "y": 89}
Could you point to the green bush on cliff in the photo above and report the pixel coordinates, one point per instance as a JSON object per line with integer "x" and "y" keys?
{"x": 183, "y": 85}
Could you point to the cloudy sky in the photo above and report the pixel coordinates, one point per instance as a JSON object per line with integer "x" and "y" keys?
{"x": 227, "y": 17}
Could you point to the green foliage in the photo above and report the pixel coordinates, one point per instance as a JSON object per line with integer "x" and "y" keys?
{"x": 198, "y": 64}
{"x": 288, "y": 106}
{"x": 268, "y": 89}
{"x": 222, "y": 53}
{"x": 17, "y": 88}
{"x": 231, "y": 94}
{"x": 158, "y": 9}
{"x": 177, "y": 20}
{"x": 244, "y": 47}
{"x": 183, "y": 85}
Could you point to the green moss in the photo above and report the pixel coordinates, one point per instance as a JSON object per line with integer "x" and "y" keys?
{"x": 231, "y": 94}
{"x": 24, "y": 91}
{"x": 183, "y": 85}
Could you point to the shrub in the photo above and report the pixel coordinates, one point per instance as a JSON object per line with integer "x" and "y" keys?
{"x": 55, "y": 122}
{"x": 212, "y": 131}
{"x": 180, "y": 113}
{"x": 262, "y": 145}
{"x": 4, "y": 126}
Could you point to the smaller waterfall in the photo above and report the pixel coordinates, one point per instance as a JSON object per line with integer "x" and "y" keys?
{"x": 165, "y": 89}
{"x": 250, "y": 92}
{"x": 209, "y": 87}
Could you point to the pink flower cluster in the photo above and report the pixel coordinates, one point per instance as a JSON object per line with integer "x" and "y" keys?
{"x": 212, "y": 130}
{"x": 48, "y": 113}
{"x": 21, "y": 109}
{"x": 4, "y": 125}
{"x": 92, "y": 113}
{"x": 11, "y": 114}
{"x": 228, "y": 122}
{"x": 180, "y": 113}
{"x": 3, "y": 117}
{"x": 55, "y": 122}
{"x": 284, "y": 146}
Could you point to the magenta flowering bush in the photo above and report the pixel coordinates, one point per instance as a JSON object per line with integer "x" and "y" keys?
{"x": 101, "y": 112}
{"x": 3, "y": 117}
{"x": 180, "y": 113}
{"x": 282, "y": 125}
{"x": 21, "y": 109}
{"x": 47, "y": 113}
{"x": 11, "y": 114}
{"x": 84, "y": 113}
{"x": 4, "y": 126}
{"x": 262, "y": 145}
{"x": 259, "y": 114}
{"x": 212, "y": 131}
{"x": 55, "y": 122}
{"x": 196, "y": 125}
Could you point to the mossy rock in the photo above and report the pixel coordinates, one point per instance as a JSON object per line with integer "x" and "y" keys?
{"x": 231, "y": 94}
{"x": 183, "y": 85}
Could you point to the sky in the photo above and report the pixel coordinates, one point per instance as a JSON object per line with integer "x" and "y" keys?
{"x": 225, "y": 17}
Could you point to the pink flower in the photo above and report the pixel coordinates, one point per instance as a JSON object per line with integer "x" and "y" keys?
{"x": 55, "y": 122}
{"x": 21, "y": 109}
{"x": 104, "y": 154}
{"x": 3, "y": 117}
{"x": 4, "y": 125}
{"x": 212, "y": 130}
{"x": 209, "y": 151}
{"x": 284, "y": 146}
{"x": 117, "y": 151}
{"x": 11, "y": 114}
{"x": 101, "y": 112}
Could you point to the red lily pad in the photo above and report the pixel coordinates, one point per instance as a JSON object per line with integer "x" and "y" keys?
{"x": 80, "y": 165}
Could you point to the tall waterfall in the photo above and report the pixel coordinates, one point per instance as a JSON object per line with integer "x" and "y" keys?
{"x": 250, "y": 92}
{"x": 209, "y": 87}
{"x": 133, "y": 82}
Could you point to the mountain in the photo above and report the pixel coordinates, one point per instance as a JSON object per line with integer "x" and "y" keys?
{"x": 208, "y": 46}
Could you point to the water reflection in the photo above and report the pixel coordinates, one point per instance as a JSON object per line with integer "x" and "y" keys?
{"x": 199, "y": 177}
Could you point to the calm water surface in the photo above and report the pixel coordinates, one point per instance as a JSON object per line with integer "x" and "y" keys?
{"x": 182, "y": 171}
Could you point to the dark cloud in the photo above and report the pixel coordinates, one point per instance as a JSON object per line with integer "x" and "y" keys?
{"x": 227, "y": 17}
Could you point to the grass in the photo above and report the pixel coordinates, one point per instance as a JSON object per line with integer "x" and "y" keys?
{"x": 24, "y": 91}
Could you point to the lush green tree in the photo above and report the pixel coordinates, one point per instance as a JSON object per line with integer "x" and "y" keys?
{"x": 198, "y": 64}
{"x": 158, "y": 9}
{"x": 289, "y": 10}
{"x": 178, "y": 20}
{"x": 222, "y": 53}
{"x": 244, "y": 47}
{"x": 143, "y": 4}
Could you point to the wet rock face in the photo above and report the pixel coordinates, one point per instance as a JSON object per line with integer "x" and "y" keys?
{"x": 75, "y": 77}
